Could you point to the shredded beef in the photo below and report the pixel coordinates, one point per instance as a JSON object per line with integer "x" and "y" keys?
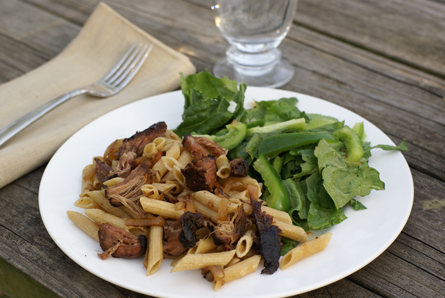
{"x": 119, "y": 243}
{"x": 269, "y": 236}
{"x": 200, "y": 147}
{"x": 201, "y": 175}
{"x": 128, "y": 191}
{"x": 239, "y": 167}
{"x": 228, "y": 232}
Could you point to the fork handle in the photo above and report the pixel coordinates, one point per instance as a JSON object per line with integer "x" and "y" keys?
{"x": 15, "y": 127}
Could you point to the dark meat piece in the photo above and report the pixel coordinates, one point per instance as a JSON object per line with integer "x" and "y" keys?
{"x": 137, "y": 142}
{"x": 128, "y": 191}
{"x": 228, "y": 232}
{"x": 201, "y": 175}
{"x": 239, "y": 167}
{"x": 200, "y": 147}
{"x": 103, "y": 170}
{"x": 130, "y": 150}
{"x": 270, "y": 239}
{"x": 119, "y": 243}
{"x": 211, "y": 147}
{"x": 125, "y": 165}
{"x": 181, "y": 235}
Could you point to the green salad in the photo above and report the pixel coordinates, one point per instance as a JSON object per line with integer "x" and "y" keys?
{"x": 312, "y": 166}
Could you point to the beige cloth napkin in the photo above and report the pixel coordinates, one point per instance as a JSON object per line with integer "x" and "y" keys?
{"x": 104, "y": 38}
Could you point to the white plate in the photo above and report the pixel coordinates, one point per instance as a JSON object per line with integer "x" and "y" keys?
{"x": 355, "y": 242}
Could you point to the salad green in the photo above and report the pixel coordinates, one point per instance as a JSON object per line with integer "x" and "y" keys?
{"x": 312, "y": 165}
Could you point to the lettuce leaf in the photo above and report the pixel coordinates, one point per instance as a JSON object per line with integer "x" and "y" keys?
{"x": 207, "y": 104}
{"x": 343, "y": 182}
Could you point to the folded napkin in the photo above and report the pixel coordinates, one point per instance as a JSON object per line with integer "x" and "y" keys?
{"x": 100, "y": 44}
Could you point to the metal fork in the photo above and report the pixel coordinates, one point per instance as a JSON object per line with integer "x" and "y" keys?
{"x": 116, "y": 80}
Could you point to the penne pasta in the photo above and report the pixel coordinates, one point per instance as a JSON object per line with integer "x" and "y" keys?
{"x": 155, "y": 252}
{"x": 206, "y": 211}
{"x": 84, "y": 223}
{"x": 290, "y": 231}
{"x": 277, "y": 214}
{"x": 238, "y": 270}
{"x": 165, "y": 209}
{"x": 244, "y": 244}
{"x": 86, "y": 202}
{"x": 203, "y": 246}
{"x": 305, "y": 250}
{"x": 114, "y": 181}
{"x": 223, "y": 166}
{"x": 199, "y": 261}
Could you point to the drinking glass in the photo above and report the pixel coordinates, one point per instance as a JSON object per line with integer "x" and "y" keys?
{"x": 254, "y": 29}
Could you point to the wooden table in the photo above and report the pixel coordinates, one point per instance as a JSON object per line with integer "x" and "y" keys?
{"x": 384, "y": 60}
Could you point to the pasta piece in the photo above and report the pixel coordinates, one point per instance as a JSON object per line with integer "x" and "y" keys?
{"x": 165, "y": 209}
{"x": 305, "y": 250}
{"x": 206, "y": 212}
{"x": 290, "y": 231}
{"x": 159, "y": 143}
{"x": 84, "y": 223}
{"x": 233, "y": 261}
{"x": 203, "y": 246}
{"x": 150, "y": 150}
{"x": 179, "y": 176}
{"x": 155, "y": 253}
{"x": 277, "y": 214}
{"x": 238, "y": 270}
{"x": 223, "y": 166}
{"x": 86, "y": 202}
{"x": 100, "y": 217}
{"x": 114, "y": 181}
{"x": 240, "y": 184}
{"x": 244, "y": 244}
{"x": 88, "y": 174}
{"x": 174, "y": 151}
{"x": 212, "y": 201}
{"x": 171, "y": 135}
{"x": 149, "y": 190}
{"x": 199, "y": 261}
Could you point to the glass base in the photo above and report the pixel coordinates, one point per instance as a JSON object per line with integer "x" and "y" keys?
{"x": 272, "y": 76}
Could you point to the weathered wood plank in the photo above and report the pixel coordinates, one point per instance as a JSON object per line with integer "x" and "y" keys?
{"x": 45, "y": 33}
{"x": 340, "y": 289}
{"x": 410, "y": 31}
{"x": 27, "y": 246}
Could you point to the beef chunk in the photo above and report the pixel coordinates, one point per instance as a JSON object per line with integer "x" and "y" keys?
{"x": 269, "y": 236}
{"x": 137, "y": 142}
{"x": 119, "y": 243}
{"x": 239, "y": 167}
{"x": 211, "y": 147}
{"x": 201, "y": 175}
{"x": 181, "y": 235}
{"x": 129, "y": 151}
{"x": 200, "y": 147}
{"x": 228, "y": 232}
